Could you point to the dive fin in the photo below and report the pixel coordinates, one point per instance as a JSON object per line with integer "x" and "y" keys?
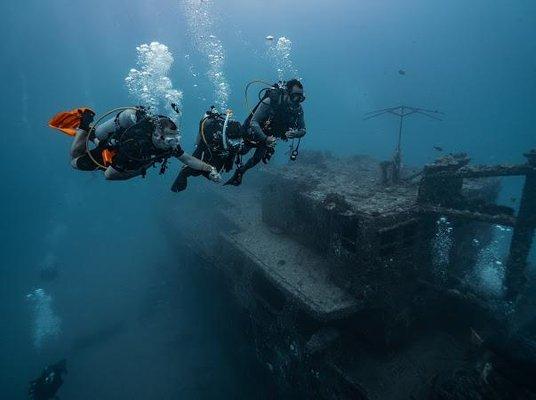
{"x": 181, "y": 182}
{"x": 236, "y": 179}
{"x": 67, "y": 121}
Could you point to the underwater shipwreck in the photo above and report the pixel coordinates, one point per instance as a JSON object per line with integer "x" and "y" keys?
{"x": 349, "y": 293}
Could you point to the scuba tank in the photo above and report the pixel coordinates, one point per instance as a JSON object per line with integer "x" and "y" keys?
{"x": 221, "y": 134}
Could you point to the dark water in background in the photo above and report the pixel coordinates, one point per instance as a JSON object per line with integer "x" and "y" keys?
{"x": 140, "y": 318}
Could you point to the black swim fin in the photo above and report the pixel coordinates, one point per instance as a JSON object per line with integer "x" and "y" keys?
{"x": 236, "y": 179}
{"x": 181, "y": 182}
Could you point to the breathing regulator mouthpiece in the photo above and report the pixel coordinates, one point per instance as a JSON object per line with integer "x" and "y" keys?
{"x": 172, "y": 141}
{"x": 166, "y": 135}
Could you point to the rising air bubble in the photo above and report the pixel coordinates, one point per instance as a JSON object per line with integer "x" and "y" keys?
{"x": 280, "y": 56}
{"x": 46, "y": 325}
{"x": 441, "y": 247}
{"x": 488, "y": 275}
{"x": 200, "y": 20}
{"x": 149, "y": 84}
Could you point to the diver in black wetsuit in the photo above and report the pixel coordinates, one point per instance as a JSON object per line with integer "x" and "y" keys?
{"x": 512, "y": 356}
{"x": 279, "y": 115}
{"x": 47, "y": 385}
{"x": 502, "y": 365}
{"x": 125, "y": 145}
{"x": 218, "y": 142}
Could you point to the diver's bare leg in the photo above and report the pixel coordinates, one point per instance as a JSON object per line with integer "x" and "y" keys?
{"x": 78, "y": 148}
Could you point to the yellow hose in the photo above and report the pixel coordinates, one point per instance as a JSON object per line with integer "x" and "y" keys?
{"x": 202, "y": 131}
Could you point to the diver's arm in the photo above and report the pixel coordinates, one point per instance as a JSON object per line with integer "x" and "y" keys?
{"x": 296, "y": 133}
{"x": 262, "y": 113}
{"x": 197, "y": 164}
{"x": 300, "y": 130}
{"x": 300, "y": 126}
{"x": 194, "y": 163}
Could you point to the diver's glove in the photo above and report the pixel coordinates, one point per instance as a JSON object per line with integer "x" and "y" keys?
{"x": 268, "y": 155}
{"x": 86, "y": 118}
{"x": 214, "y": 175}
{"x": 270, "y": 141}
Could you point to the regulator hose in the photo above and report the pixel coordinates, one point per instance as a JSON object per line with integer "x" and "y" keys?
{"x": 269, "y": 85}
{"x": 228, "y": 114}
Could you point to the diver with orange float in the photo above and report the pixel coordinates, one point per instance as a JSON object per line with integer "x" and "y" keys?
{"x": 127, "y": 144}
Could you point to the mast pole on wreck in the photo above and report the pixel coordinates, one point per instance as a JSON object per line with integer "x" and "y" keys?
{"x": 401, "y": 112}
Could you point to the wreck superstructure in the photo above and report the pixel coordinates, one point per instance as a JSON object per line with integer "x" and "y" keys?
{"x": 336, "y": 268}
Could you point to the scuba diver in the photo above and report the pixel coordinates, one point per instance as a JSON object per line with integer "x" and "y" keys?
{"x": 278, "y": 115}
{"x": 218, "y": 142}
{"x": 510, "y": 354}
{"x": 127, "y": 144}
{"x": 49, "y": 382}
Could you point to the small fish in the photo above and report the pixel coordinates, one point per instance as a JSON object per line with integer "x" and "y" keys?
{"x": 401, "y": 72}
{"x": 513, "y": 199}
{"x": 437, "y": 148}
{"x": 269, "y": 38}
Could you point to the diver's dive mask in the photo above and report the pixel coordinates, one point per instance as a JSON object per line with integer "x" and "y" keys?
{"x": 166, "y": 135}
{"x": 296, "y": 95}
